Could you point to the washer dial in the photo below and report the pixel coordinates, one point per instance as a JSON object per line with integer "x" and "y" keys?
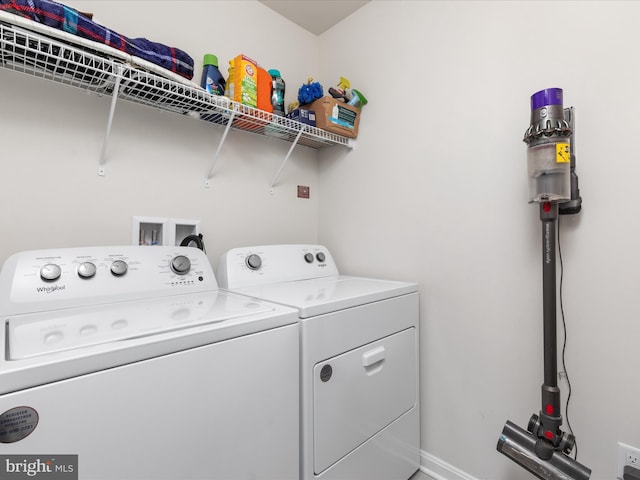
{"x": 86, "y": 270}
{"x": 180, "y": 264}
{"x": 119, "y": 267}
{"x": 253, "y": 261}
{"x": 308, "y": 257}
{"x": 50, "y": 272}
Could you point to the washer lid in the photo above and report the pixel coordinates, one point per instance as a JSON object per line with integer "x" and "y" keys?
{"x": 37, "y": 334}
{"x": 41, "y": 348}
{"x": 329, "y": 294}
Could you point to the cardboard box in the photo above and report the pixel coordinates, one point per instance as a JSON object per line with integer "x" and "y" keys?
{"x": 303, "y": 115}
{"x": 336, "y": 116}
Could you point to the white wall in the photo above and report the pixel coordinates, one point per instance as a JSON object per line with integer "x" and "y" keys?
{"x": 52, "y": 135}
{"x": 436, "y": 192}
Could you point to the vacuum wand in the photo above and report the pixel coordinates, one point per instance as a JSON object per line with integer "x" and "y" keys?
{"x": 546, "y": 426}
{"x": 548, "y": 217}
{"x": 543, "y": 449}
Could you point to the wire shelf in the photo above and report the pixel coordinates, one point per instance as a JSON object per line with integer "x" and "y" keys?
{"x": 91, "y": 69}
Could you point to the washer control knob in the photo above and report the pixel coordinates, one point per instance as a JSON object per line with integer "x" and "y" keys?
{"x": 320, "y": 257}
{"x": 180, "y": 264}
{"x": 50, "y": 272}
{"x": 308, "y": 257}
{"x": 119, "y": 267}
{"x": 253, "y": 261}
{"x": 86, "y": 270}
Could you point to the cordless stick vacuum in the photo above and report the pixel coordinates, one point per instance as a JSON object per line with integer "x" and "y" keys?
{"x": 543, "y": 448}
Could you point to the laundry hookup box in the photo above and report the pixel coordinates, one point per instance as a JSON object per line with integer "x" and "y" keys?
{"x": 335, "y": 116}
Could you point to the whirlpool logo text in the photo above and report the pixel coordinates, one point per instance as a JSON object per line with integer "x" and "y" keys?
{"x": 49, "y": 467}
{"x": 51, "y": 289}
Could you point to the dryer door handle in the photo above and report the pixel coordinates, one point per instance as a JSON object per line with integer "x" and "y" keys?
{"x": 373, "y": 356}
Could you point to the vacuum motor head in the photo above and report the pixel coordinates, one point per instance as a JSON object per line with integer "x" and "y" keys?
{"x": 548, "y": 152}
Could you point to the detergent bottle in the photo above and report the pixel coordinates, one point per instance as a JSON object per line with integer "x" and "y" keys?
{"x": 212, "y": 80}
{"x": 264, "y": 90}
{"x": 242, "y": 85}
{"x": 277, "y": 96}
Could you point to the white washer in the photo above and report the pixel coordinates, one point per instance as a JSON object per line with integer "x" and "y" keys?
{"x": 133, "y": 360}
{"x": 359, "y": 359}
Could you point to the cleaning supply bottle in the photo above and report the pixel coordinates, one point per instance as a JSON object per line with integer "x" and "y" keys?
{"x": 212, "y": 80}
{"x": 277, "y": 96}
{"x": 227, "y": 88}
{"x": 242, "y": 85}
{"x": 264, "y": 90}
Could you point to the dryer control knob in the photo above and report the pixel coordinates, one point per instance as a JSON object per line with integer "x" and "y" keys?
{"x": 50, "y": 272}
{"x": 119, "y": 267}
{"x": 253, "y": 261}
{"x": 308, "y": 257}
{"x": 180, "y": 265}
{"x": 321, "y": 257}
{"x": 86, "y": 270}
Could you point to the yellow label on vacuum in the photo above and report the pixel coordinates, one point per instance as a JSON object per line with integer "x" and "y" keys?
{"x": 563, "y": 153}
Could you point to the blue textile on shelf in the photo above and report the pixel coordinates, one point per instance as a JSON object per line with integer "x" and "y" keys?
{"x": 62, "y": 17}
{"x": 70, "y": 24}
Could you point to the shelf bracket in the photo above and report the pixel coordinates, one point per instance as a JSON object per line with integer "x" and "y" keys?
{"x": 207, "y": 180}
{"x": 112, "y": 109}
{"x": 279, "y": 171}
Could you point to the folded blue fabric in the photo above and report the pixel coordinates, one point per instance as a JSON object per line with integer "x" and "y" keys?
{"x": 65, "y": 18}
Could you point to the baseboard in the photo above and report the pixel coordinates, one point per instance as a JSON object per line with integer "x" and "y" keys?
{"x": 437, "y": 469}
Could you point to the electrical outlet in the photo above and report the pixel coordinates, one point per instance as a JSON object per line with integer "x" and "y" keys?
{"x": 627, "y": 455}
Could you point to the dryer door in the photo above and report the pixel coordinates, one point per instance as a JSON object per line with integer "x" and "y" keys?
{"x": 360, "y": 392}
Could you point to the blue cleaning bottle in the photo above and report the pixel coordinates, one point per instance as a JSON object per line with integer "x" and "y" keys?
{"x": 277, "y": 95}
{"x": 212, "y": 80}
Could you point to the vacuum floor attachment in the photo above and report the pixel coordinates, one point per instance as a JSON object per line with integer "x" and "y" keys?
{"x": 520, "y": 446}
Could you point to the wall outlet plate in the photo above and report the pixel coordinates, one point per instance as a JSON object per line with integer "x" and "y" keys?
{"x": 627, "y": 455}
{"x": 303, "y": 191}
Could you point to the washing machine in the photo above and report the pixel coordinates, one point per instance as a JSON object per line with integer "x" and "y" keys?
{"x": 129, "y": 363}
{"x": 358, "y": 359}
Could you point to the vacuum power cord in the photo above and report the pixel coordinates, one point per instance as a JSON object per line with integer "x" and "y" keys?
{"x": 564, "y": 345}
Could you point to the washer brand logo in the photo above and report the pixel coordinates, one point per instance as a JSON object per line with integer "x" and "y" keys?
{"x": 51, "y": 289}
{"x": 50, "y": 467}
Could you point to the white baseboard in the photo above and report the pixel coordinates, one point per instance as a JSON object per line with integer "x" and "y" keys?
{"x": 437, "y": 469}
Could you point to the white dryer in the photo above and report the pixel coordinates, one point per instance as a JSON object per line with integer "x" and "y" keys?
{"x": 359, "y": 359}
{"x": 128, "y": 362}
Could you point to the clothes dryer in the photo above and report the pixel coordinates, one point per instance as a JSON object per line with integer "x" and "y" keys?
{"x": 358, "y": 359}
{"x": 129, "y": 362}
